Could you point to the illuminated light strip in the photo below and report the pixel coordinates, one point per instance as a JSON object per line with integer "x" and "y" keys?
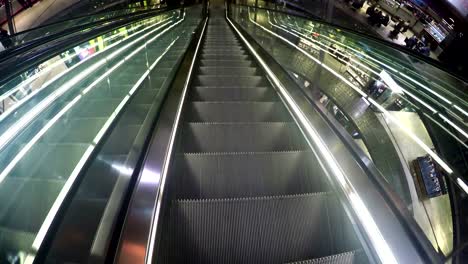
{"x": 382, "y": 248}
{"x": 70, "y": 181}
{"x": 418, "y": 141}
{"x": 36, "y": 137}
{"x": 51, "y": 122}
{"x": 460, "y": 110}
{"x": 390, "y": 82}
{"x": 321, "y": 44}
{"x": 338, "y": 51}
{"x": 117, "y": 52}
{"x": 426, "y": 88}
{"x": 462, "y": 184}
{"x": 59, "y": 200}
{"x": 335, "y": 56}
{"x": 395, "y": 86}
{"x": 25, "y": 99}
{"x": 461, "y": 131}
{"x": 383, "y": 110}
{"x": 59, "y": 62}
{"x": 446, "y": 130}
{"x": 165, "y": 166}
{"x": 396, "y": 71}
{"x": 6, "y": 137}
{"x": 117, "y": 110}
{"x": 398, "y": 89}
{"x": 357, "y": 51}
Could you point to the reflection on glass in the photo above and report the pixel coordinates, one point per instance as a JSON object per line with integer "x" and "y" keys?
{"x": 409, "y": 117}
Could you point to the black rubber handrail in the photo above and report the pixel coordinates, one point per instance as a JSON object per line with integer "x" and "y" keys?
{"x": 392, "y": 45}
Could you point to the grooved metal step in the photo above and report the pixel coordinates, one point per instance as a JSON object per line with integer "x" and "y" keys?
{"x": 274, "y": 229}
{"x": 241, "y": 137}
{"x": 226, "y": 63}
{"x": 226, "y": 71}
{"x": 352, "y": 257}
{"x": 223, "y": 52}
{"x": 236, "y": 112}
{"x": 222, "y": 48}
{"x": 232, "y": 175}
{"x": 230, "y": 81}
{"x": 259, "y": 94}
{"x": 224, "y": 57}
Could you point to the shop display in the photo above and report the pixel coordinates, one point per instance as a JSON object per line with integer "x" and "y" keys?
{"x": 437, "y": 32}
{"x": 430, "y": 179}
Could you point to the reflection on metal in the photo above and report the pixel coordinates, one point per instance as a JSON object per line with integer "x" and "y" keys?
{"x": 138, "y": 235}
{"x": 168, "y": 156}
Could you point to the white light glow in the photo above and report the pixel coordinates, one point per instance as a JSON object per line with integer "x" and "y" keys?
{"x": 59, "y": 200}
{"x": 461, "y": 131}
{"x": 390, "y": 82}
{"x": 450, "y": 104}
{"x": 71, "y": 179}
{"x": 56, "y": 77}
{"x": 462, "y": 184}
{"x": 14, "y": 129}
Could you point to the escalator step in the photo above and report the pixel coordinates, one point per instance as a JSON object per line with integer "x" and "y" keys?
{"x": 231, "y": 175}
{"x": 230, "y": 81}
{"x": 275, "y": 229}
{"x": 224, "y": 57}
{"x": 221, "y": 52}
{"x": 352, "y": 257}
{"x": 258, "y": 94}
{"x": 226, "y": 63}
{"x": 236, "y": 112}
{"x": 241, "y": 137}
{"x": 221, "y": 48}
{"x": 226, "y": 71}
{"x": 222, "y": 41}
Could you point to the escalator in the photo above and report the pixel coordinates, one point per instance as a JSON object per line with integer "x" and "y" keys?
{"x": 244, "y": 186}
{"x": 176, "y": 141}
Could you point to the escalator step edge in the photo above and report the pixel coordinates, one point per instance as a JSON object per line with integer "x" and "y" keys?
{"x": 351, "y": 257}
